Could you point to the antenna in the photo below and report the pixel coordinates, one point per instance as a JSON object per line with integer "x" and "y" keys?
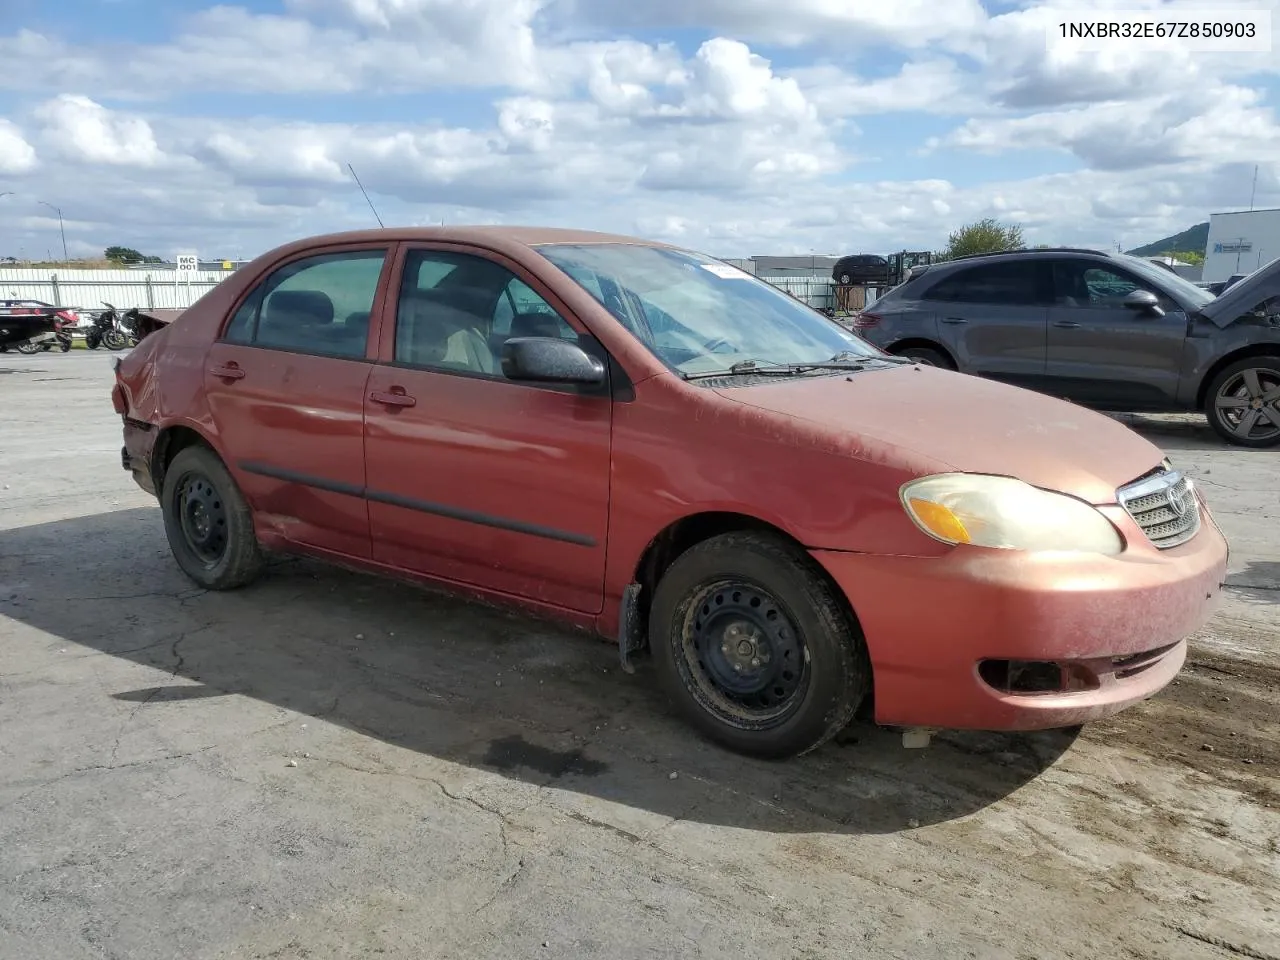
{"x": 1254, "y": 191}
{"x": 366, "y": 195}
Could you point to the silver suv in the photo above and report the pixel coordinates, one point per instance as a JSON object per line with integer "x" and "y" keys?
{"x": 1106, "y": 330}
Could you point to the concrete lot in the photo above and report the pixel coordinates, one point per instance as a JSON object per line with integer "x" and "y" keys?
{"x": 331, "y": 766}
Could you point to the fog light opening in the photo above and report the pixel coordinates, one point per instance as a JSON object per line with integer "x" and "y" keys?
{"x": 1024, "y": 676}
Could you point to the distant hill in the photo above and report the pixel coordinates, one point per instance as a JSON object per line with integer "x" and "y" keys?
{"x": 1191, "y": 240}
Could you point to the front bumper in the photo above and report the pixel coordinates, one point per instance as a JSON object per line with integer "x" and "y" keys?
{"x": 1116, "y": 625}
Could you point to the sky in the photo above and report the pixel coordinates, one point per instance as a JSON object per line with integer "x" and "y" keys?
{"x": 735, "y": 127}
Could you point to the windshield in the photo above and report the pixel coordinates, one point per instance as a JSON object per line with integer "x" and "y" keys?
{"x": 1186, "y": 291}
{"x": 699, "y": 315}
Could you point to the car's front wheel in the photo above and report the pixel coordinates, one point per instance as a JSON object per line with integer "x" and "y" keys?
{"x": 928, "y": 356}
{"x": 1243, "y": 402}
{"x": 755, "y": 647}
{"x": 208, "y": 523}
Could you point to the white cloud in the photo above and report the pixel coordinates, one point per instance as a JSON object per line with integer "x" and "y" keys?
{"x": 16, "y": 155}
{"x": 1222, "y": 123}
{"x": 741, "y": 142}
{"x": 78, "y": 128}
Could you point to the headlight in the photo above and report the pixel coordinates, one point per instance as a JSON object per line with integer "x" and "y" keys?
{"x": 988, "y": 511}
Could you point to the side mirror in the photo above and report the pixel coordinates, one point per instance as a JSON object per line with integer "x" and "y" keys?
{"x": 1144, "y": 301}
{"x": 550, "y": 360}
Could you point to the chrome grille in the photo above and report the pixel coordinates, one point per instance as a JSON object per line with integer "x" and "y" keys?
{"x": 1164, "y": 505}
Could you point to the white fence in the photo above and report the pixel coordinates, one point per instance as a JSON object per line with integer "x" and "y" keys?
{"x": 168, "y": 288}
{"x": 123, "y": 288}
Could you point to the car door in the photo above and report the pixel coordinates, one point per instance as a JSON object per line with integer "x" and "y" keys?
{"x": 993, "y": 318}
{"x": 1104, "y": 353}
{"x": 286, "y": 386}
{"x": 473, "y": 478}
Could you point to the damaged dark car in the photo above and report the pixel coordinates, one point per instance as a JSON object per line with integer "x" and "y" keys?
{"x": 1105, "y": 330}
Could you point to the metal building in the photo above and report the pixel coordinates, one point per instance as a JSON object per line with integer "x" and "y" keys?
{"x": 1240, "y": 242}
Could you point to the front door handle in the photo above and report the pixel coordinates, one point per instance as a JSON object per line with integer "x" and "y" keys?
{"x": 228, "y": 371}
{"x": 1066, "y": 324}
{"x": 395, "y": 397}
{"x": 954, "y": 320}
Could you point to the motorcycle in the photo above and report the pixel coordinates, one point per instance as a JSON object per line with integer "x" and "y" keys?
{"x": 106, "y": 330}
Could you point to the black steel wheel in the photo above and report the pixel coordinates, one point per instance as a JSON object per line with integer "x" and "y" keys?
{"x": 208, "y": 523}
{"x": 113, "y": 339}
{"x": 747, "y": 657}
{"x": 1243, "y": 402}
{"x": 755, "y": 646}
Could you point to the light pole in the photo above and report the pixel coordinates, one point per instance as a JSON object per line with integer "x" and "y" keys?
{"x": 61, "y": 228}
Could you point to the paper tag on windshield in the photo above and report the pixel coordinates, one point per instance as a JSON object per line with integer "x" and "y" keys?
{"x": 724, "y": 271}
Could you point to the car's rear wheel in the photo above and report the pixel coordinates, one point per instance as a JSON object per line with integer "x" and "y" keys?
{"x": 208, "y": 523}
{"x": 755, "y": 647}
{"x": 929, "y": 356}
{"x": 1243, "y": 402}
{"x": 845, "y": 277}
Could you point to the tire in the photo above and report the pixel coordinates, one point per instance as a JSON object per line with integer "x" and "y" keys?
{"x": 30, "y": 349}
{"x": 846, "y": 278}
{"x": 928, "y": 356}
{"x": 799, "y": 619}
{"x": 114, "y": 340}
{"x": 1237, "y": 403}
{"x": 227, "y": 561}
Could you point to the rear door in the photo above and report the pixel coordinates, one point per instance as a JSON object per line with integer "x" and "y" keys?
{"x": 994, "y": 317}
{"x": 1103, "y": 353}
{"x": 286, "y": 386}
{"x": 473, "y": 478}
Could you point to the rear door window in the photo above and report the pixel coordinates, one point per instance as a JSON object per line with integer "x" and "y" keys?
{"x": 1006, "y": 284}
{"x": 317, "y": 305}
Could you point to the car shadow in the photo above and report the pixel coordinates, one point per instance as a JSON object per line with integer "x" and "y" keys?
{"x": 472, "y": 685}
{"x": 1177, "y": 432}
{"x": 1258, "y": 582}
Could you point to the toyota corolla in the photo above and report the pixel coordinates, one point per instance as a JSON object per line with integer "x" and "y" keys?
{"x": 650, "y": 444}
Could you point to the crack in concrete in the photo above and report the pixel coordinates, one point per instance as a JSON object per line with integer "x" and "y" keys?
{"x": 1221, "y": 944}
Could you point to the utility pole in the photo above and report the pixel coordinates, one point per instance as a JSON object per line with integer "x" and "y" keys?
{"x": 61, "y": 229}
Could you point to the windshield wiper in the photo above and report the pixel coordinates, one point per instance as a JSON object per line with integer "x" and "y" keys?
{"x": 754, "y": 368}
{"x": 845, "y": 360}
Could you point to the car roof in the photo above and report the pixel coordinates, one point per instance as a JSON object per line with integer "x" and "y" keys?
{"x": 1034, "y": 251}
{"x": 494, "y": 236}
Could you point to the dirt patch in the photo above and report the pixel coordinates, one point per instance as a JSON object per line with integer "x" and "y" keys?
{"x": 1220, "y": 717}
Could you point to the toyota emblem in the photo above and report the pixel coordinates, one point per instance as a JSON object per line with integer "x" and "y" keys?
{"x": 1175, "y": 503}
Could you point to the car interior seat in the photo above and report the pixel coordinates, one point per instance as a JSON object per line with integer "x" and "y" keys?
{"x": 295, "y": 318}
{"x": 434, "y": 332}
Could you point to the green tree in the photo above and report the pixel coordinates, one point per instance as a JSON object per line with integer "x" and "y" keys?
{"x": 127, "y": 255}
{"x": 122, "y": 255}
{"x": 1193, "y": 257}
{"x": 984, "y": 236}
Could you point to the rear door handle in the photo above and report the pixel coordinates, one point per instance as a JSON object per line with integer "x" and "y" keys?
{"x": 227, "y": 371}
{"x": 396, "y": 397}
{"x": 1066, "y": 324}
{"x": 954, "y": 320}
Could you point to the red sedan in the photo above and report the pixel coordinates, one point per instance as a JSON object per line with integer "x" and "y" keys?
{"x": 648, "y": 443}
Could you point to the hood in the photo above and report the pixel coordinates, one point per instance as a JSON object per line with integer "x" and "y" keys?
{"x": 973, "y": 425}
{"x": 1244, "y": 296}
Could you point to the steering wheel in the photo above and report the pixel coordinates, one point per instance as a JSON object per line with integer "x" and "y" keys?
{"x": 711, "y": 345}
